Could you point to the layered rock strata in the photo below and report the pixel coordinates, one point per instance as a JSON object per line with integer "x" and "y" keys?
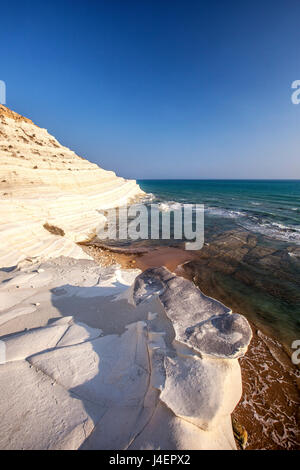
{"x": 51, "y": 198}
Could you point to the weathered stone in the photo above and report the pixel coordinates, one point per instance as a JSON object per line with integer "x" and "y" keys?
{"x": 207, "y": 325}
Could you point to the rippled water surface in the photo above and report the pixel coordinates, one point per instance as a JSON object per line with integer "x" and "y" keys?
{"x": 267, "y": 207}
{"x": 251, "y": 259}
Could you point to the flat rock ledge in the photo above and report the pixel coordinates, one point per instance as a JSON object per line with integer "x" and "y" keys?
{"x": 102, "y": 358}
{"x": 200, "y": 322}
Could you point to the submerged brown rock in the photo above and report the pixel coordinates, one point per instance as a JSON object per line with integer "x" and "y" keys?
{"x": 268, "y": 412}
{"x": 263, "y": 283}
{"x": 252, "y": 277}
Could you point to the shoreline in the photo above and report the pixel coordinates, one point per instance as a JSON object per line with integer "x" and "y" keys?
{"x": 268, "y": 410}
{"x": 174, "y": 259}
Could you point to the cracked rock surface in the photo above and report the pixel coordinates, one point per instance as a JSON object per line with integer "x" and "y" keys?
{"x": 199, "y": 321}
{"x": 100, "y": 358}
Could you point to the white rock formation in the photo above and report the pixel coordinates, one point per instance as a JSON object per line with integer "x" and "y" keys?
{"x": 99, "y": 358}
{"x": 210, "y": 328}
{"x": 94, "y": 361}
{"x": 43, "y": 182}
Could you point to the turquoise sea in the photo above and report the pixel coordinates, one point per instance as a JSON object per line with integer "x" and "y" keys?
{"x": 265, "y": 282}
{"x": 271, "y": 208}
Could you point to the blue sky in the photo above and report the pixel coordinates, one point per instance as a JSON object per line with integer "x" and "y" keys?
{"x": 161, "y": 88}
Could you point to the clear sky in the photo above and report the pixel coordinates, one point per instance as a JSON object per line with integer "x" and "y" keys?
{"x": 160, "y": 88}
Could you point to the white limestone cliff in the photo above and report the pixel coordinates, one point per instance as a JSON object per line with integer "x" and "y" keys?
{"x": 44, "y": 183}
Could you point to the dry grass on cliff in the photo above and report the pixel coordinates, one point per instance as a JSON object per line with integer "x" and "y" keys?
{"x": 53, "y": 229}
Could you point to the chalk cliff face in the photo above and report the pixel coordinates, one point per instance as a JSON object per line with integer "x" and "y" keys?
{"x": 45, "y": 183}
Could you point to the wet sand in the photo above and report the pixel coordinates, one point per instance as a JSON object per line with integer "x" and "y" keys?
{"x": 169, "y": 257}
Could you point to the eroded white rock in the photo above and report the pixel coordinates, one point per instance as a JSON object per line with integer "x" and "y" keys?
{"x": 202, "y": 391}
{"x": 207, "y": 325}
{"x": 85, "y": 388}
